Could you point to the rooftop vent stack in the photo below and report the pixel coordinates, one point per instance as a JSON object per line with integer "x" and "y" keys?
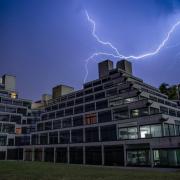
{"x": 125, "y": 66}
{"x": 104, "y": 67}
{"x": 9, "y": 81}
{"x": 61, "y": 90}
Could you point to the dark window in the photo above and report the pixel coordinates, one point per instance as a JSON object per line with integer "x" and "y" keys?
{"x": 77, "y": 120}
{"x": 64, "y": 137}
{"x": 44, "y": 138}
{"x": 90, "y": 119}
{"x": 4, "y": 117}
{"x": 108, "y": 133}
{"x": 164, "y": 110}
{"x": 16, "y": 119}
{"x": 79, "y": 101}
{"x": 44, "y": 117}
{"x": 60, "y": 113}
{"x": 69, "y": 112}
{"x": 139, "y": 112}
{"x": 8, "y": 128}
{"x": 154, "y": 110}
{"x": 100, "y": 95}
{"x": 78, "y": 109}
{"x": 120, "y": 113}
{"x": 48, "y": 125}
{"x": 104, "y": 116}
{"x": 55, "y": 107}
{"x": 87, "y": 85}
{"x": 53, "y": 138}
{"x": 111, "y": 92}
{"x": 79, "y": 94}
{"x": 57, "y": 124}
{"x": 92, "y": 134}
{"x": 88, "y": 91}
{"x": 102, "y": 104}
{"x": 95, "y": 83}
{"x": 22, "y": 111}
{"x": 77, "y": 136}
{"x": 99, "y": 88}
{"x": 34, "y": 139}
{"x": 172, "y": 112}
{"x": 40, "y": 127}
{"x": 90, "y": 107}
{"x": 66, "y": 123}
{"x": 52, "y": 115}
{"x": 70, "y": 103}
{"x": 62, "y": 105}
{"x": 89, "y": 98}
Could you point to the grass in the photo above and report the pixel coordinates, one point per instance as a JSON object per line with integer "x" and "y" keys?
{"x": 13, "y": 170}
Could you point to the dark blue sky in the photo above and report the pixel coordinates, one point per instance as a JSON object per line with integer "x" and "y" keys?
{"x": 45, "y": 42}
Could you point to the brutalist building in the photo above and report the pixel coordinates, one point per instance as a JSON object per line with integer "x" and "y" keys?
{"x": 115, "y": 120}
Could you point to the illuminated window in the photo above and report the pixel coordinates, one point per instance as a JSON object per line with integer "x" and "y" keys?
{"x": 13, "y": 95}
{"x": 90, "y": 119}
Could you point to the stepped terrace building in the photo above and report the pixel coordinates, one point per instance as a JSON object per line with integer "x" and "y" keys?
{"x": 114, "y": 120}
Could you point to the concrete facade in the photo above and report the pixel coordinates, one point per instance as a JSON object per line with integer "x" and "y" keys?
{"x": 116, "y": 120}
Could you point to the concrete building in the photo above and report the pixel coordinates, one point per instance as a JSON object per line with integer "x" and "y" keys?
{"x": 116, "y": 119}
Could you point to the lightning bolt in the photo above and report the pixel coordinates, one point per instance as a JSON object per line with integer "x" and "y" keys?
{"x": 117, "y": 53}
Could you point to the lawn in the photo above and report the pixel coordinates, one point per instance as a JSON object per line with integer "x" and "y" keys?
{"x": 13, "y": 170}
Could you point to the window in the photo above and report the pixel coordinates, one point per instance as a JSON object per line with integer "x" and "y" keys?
{"x": 120, "y": 113}
{"x": 4, "y": 117}
{"x": 89, "y": 91}
{"x": 108, "y": 133}
{"x": 79, "y": 101}
{"x": 100, "y": 95}
{"x": 78, "y": 109}
{"x": 34, "y": 139}
{"x": 57, "y": 124}
{"x": 102, "y": 104}
{"x": 44, "y": 117}
{"x": 169, "y": 130}
{"x": 16, "y": 119}
{"x": 22, "y": 111}
{"x": 52, "y": 115}
{"x": 139, "y": 112}
{"x": 99, "y": 88}
{"x": 111, "y": 92}
{"x": 90, "y": 119}
{"x": 104, "y": 116}
{"x": 89, "y": 98}
{"x": 79, "y": 94}
{"x": 69, "y": 112}
{"x": 128, "y": 133}
{"x": 151, "y": 131}
{"x": 77, "y": 136}
{"x": 55, "y": 107}
{"x": 11, "y": 109}
{"x": 90, "y": 107}
{"x": 130, "y": 100}
{"x": 77, "y": 120}
{"x": 62, "y": 105}
{"x": 64, "y": 137}
{"x": 164, "y": 110}
{"x": 70, "y": 103}
{"x": 3, "y": 140}
{"x": 48, "y": 125}
{"x": 154, "y": 110}
{"x": 40, "y": 127}
{"x": 115, "y": 101}
{"x": 53, "y": 138}
{"x": 8, "y": 128}
{"x": 59, "y": 113}
{"x": 92, "y": 134}
{"x": 172, "y": 112}
{"x": 66, "y": 123}
{"x": 177, "y": 130}
{"x": 44, "y": 138}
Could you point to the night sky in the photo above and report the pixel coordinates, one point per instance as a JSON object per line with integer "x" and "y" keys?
{"x": 45, "y": 42}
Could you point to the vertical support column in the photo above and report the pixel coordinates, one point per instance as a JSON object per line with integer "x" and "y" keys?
{"x": 6, "y": 155}
{"x": 43, "y": 154}
{"x": 54, "y": 154}
{"x": 102, "y": 154}
{"x": 68, "y": 158}
{"x": 24, "y": 152}
{"x": 125, "y": 155}
{"x": 84, "y": 155}
{"x": 33, "y": 154}
{"x": 151, "y": 157}
{"x": 99, "y": 131}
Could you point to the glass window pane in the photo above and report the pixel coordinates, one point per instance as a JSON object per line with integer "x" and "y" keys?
{"x": 156, "y": 130}
{"x": 145, "y": 131}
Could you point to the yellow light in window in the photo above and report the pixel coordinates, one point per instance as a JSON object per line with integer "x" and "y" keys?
{"x": 13, "y": 95}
